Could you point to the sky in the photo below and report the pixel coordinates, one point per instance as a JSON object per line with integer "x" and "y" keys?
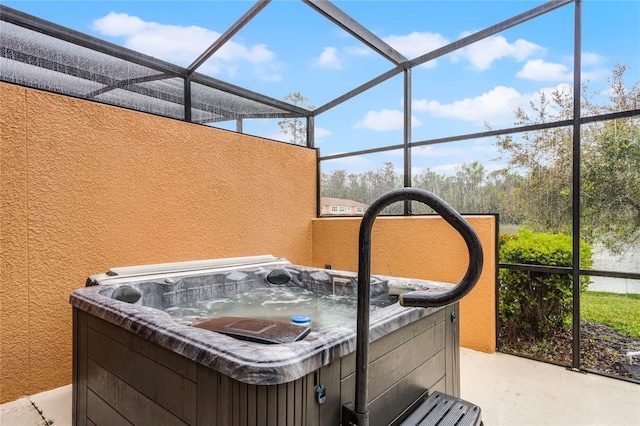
{"x": 288, "y": 47}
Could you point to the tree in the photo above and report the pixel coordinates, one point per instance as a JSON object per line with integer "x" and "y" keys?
{"x": 334, "y": 185}
{"x": 296, "y": 127}
{"x": 610, "y": 169}
{"x": 437, "y": 183}
{"x": 500, "y": 187}
{"x": 385, "y": 180}
{"x": 545, "y": 156}
{"x": 364, "y": 187}
{"x": 471, "y": 188}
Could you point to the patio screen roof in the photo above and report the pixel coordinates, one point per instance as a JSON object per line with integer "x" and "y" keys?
{"x": 43, "y": 55}
{"x": 40, "y": 54}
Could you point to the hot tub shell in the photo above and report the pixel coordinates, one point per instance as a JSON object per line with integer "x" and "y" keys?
{"x": 133, "y": 363}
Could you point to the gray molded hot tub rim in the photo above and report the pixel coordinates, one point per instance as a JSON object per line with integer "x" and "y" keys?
{"x": 248, "y": 362}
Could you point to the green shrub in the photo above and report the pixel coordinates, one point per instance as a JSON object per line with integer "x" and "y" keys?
{"x": 533, "y": 304}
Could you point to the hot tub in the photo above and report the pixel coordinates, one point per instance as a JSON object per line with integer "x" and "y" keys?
{"x": 139, "y": 358}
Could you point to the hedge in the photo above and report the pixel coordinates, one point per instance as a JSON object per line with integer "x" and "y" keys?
{"x": 533, "y": 304}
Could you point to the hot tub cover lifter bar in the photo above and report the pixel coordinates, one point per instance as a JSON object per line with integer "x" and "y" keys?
{"x": 359, "y": 414}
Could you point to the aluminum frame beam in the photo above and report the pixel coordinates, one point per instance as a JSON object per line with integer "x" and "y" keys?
{"x": 112, "y": 84}
{"x": 489, "y": 31}
{"x": 123, "y": 84}
{"x": 42, "y": 26}
{"x": 362, "y": 88}
{"x": 576, "y": 183}
{"x": 490, "y": 133}
{"x": 353, "y": 27}
{"x": 239, "y": 24}
{"x": 248, "y": 94}
{"x": 33, "y": 23}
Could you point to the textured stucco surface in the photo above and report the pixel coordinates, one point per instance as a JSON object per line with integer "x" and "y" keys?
{"x": 86, "y": 187}
{"x": 420, "y": 247}
{"x": 14, "y": 271}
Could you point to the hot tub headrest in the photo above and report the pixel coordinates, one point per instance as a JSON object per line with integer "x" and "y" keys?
{"x": 279, "y": 276}
{"x": 127, "y": 294}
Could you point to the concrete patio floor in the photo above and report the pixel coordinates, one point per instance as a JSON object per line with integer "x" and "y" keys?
{"x": 510, "y": 390}
{"x": 55, "y": 407}
{"x": 516, "y": 391}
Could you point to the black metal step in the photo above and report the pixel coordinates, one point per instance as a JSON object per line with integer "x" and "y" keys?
{"x": 444, "y": 410}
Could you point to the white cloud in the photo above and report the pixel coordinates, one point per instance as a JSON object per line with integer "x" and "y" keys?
{"x": 354, "y": 164}
{"x": 552, "y": 109}
{"x": 592, "y": 69}
{"x": 595, "y": 75}
{"x": 539, "y": 70}
{"x": 329, "y": 59}
{"x": 266, "y": 72}
{"x": 592, "y": 66}
{"x": 495, "y": 106}
{"x": 446, "y": 169}
{"x": 332, "y": 58}
{"x": 357, "y": 51}
{"x": 321, "y": 133}
{"x": 424, "y": 151}
{"x": 479, "y": 146}
{"x": 385, "y": 120}
{"x": 589, "y": 58}
{"x": 279, "y": 135}
{"x": 449, "y": 169}
{"x": 454, "y": 155}
{"x": 482, "y": 53}
{"x": 562, "y": 88}
{"x": 119, "y": 24}
{"x": 416, "y": 44}
{"x": 182, "y": 45}
{"x": 442, "y": 151}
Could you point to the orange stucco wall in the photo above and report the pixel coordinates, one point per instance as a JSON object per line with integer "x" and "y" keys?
{"x": 423, "y": 247}
{"x": 85, "y": 187}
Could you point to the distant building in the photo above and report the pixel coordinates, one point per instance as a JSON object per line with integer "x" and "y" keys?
{"x": 339, "y": 206}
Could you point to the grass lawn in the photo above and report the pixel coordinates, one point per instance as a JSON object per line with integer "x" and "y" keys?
{"x": 619, "y": 311}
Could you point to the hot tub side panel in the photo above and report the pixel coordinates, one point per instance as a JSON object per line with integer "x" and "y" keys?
{"x": 407, "y": 365}
{"x": 120, "y": 378}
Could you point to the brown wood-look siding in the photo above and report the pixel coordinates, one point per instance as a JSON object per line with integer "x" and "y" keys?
{"x": 120, "y": 378}
{"x": 79, "y": 376}
{"x": 452, "y": 345}
{"x": 130, "y": 403}
{"x": 331, "y": 410}
{"x": 162, "y": 385}
{"x": 149, "y": 350}
{"x": 402, "y": 375}
{"x": 391, "y": 341}
{"x": 102, "y": 412}
{"x": 207, "y": 399}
